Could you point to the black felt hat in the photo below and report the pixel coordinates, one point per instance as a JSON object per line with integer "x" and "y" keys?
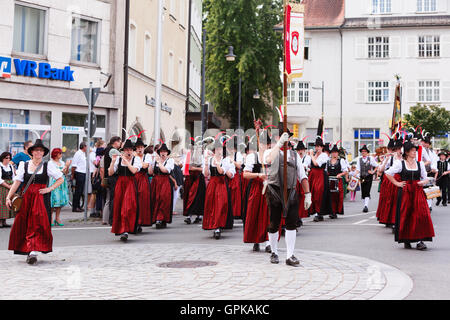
{"x": 38, "y": 144}
{"x": 334, "y": 149}
{"x": 140, "y": 143}
{"x": 364, "y": 148}
{"x": 300, "y": 146}
{"x": 128, "y": 145}
{"x": 163, "y": 148}
{"x": 281, "y": 129}
{"x": 319, "y": 142}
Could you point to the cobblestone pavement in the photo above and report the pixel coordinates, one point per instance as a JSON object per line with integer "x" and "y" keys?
{"x": 132, "y": 271}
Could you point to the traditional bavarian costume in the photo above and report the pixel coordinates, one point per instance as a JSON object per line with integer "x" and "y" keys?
{"x": 236, "y": 187}
{"x": 363, "y": 166}
{"x": 443, "y": 180}
{"x": 194, "y": 190}
{"x": 143, "y": 189}
{"x": 337, "y": 198}
{"x": 413, "y": 220}
{"x": 218, "y": 211}
{"x": 306, "y": 162}
{"x": 6, "y": 176}
{"x": 161, "y": 192}
{"x": 31, "y": 231}
{"x": 126, "y": 205}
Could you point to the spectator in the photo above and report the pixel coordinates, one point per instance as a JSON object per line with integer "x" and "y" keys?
{"x": 24, "y": 155}
{"x": 59, "y": 197}
{"x": 79, "y": 175}
{"x": 7, "y": 174}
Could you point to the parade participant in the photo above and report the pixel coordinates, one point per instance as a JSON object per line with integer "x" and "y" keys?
{"x": 218, "y": 211}
{"x": 306, "y": 162}
{"x": 319, "y": 183}
{"x": 255, "y": 209}
{"x": 442, "y": 178}
{"x": 352, "y": 174}
{"x": 387, "y": 204}
{"x": 413, "y": 220}
{"x": 431, "y": 162}
{"x": 59, "y": 197}
{"x": 236, "y": 184}
{"x": 126, "y": 212}
{"x": 337, "y": 169}
{"x": 143, "y": 185}
{"x": 194, "y": 188}
{"x": 31, "y": 232}
{"x": 7, "y": 174}
{"x": 365, "y": 166}
{"x": 161, "y": 188}
{"x": 275, "y": 197}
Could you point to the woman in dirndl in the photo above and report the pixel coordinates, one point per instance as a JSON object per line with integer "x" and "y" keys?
{"x": 143, "y": 186}
{"x": 337, "y": 169}
{"x": 318, "y": 182}
{"x": 126, "y": 213}
{"x": 7, "y": 174}
{"x": 31, "y": 232}
{"x": 59, "y": 197}
{"x": 387, "y": 204}
{"x": 161, "y": 188}
{"x": 255, "y": 213}
{"x": 236, "y": 185}
{"x": 218, "y": 210}
{"x": 413, "y": 220}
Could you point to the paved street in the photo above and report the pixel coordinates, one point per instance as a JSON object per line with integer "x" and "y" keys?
{"x": 352, "y": 257}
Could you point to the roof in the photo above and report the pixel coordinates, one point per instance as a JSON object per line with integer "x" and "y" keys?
{"x": 324, "y": 13}
{"x": 402, "y": 21}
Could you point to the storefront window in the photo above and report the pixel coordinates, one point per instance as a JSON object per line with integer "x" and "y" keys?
{"x": 18, "y": 126}
{"x": 368, "y": 137}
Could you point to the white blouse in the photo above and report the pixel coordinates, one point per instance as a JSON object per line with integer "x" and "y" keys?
{"x": 136, "y": 164}
{"x": 397, "y": 168}
{"x": 225, "y": 164}
{"x": 8, "y": 168}
{"x": 169, "y": 164}
{"x": 52, "y": 171}
{"x": 250, "y": 161}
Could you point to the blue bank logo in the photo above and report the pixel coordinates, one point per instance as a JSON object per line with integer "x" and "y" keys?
{"x": 5, "y": 67}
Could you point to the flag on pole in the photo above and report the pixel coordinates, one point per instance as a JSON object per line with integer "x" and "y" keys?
{"x": 397, "y": 113}
{"x": 294, "y": 40}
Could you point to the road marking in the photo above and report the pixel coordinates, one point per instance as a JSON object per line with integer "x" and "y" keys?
{"x": 85, "y": 228}
{"x": 362, "y": 221}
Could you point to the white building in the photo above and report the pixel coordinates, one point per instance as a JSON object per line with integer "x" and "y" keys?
{"x": 356, "y": 47}
{"x": 50, "y": 51}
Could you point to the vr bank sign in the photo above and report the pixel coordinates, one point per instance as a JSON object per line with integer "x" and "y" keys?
{"x": 28, "y": 68}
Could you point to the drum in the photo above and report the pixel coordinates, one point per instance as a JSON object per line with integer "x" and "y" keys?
{"x": 431, "y": 182}
{"x": 334, "y": 184}
{"x": 432, "y": 192}
{"x": 353, "y": 184}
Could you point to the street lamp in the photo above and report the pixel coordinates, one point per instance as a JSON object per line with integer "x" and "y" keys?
{"x": 230, "y": 56}
{"x": 256, "y": 96}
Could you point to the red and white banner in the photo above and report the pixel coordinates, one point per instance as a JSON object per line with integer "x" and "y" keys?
{"x": 294, "y": 42}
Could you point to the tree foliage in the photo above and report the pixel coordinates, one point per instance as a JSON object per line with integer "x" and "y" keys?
{"x": 247, "y": 25}
{"x": 431, "y": 118}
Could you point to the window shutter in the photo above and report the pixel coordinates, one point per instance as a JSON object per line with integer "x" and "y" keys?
{"x": 441, "y": 5}
{"x": 411, "y": 92}
{"x": 360, "y": 48}
{"x": 445, "y": 91}
{"x": 412, "y": 47}
{"x": 395, "y": 44}
{"x": 360, "y": 92}
{"x": 445, "y": 46}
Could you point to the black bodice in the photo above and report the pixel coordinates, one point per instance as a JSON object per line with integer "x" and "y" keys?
{"x": 7, "y": 175}
{"x": 408, "y": 175}
{"x": 157, "y": 171}
{"x": 123, "y": 171}
{"x": 334, "y": 169}
{"x": 39, "y": 178}
{"x": 257, "y": 166}
{"x": 213, "y": 170}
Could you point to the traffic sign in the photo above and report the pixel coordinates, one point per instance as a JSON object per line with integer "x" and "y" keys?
{"x": 93, "y": 124}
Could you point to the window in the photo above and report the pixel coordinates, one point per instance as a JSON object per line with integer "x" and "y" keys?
{"x": 170, "y": 71}
{"x": 84, "y": 40}
{"x": 307, "y": 53}
{"x": 378, "y": 47}
{"x": 29, "y": 30}
{"x": 180, "y": 75}
{"x": 381, "y": 6}
{"x": 429, "y": 46}
{"x": 429, "y": 91}
{"x": 378, "y": 91}
{"x": 426, "y": 5}
{"x": 369, "y": 137}
{"x": 291, "y": 92}
{"x": 147, "y": 54}
{"x": 132, "y": 45}
{"x": 303, "y": 92}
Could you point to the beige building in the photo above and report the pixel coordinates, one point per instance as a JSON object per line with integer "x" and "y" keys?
{"x": 142, "y": 68}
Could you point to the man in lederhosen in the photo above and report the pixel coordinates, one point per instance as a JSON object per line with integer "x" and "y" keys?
{"x": 275, "y": 199}
{"x": 365, "y": 166}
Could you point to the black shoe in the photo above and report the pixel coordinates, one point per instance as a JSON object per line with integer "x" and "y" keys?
{"x": 318, "y": 218}
{"x": 217, "y": 234}
{"x": 31, "y": 259}
{"x": 77, "y": 210}
{"x": 124, "y": 237}
{"x": 256, "y": 247}
{"x": 366, "y": 209}
{"x": 299, "y": 223}
{"x": 187, "y": 220}
{"x": 268, "y": 249}
{"x": 159, "y": 225}
{"x": 274, "y": 258}
{"x": 139, "y": 229}
{"x": 407, "y": 245}
{"x": 5, "y": 226}
{"x": 431, "y": 209}
{"x": 444, "y": 204}
{"x": 438, "y": 202}
{"x": 198, "y": 220}
{"x": 292, "y": 261}
{"x": 421, "y": 246}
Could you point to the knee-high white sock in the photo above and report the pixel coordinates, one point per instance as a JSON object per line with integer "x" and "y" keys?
{"x": 430, "y": 202}
{"x": 366, "y": 201}
{"x": 273, "y": 240}
{"x": 290, "y": 237}
{"x": 267, "y": 243}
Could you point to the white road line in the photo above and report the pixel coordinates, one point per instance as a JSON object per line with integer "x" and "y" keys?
{"x": 86, "y": 228}
{"x": 362, "y": 221}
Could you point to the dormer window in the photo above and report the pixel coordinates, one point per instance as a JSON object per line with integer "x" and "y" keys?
{"x": 381, "y": 6}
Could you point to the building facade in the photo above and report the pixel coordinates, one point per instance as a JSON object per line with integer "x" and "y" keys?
{"x": 142, "y": 69}
{"x": 49, "y": 52}
{"x": 355, "y": 49}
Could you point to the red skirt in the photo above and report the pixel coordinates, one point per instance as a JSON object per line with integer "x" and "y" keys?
{"x": 413, "y": 220}
{"x": 236, "y": 194}
{"x": 125, "y": 214}
{"x": 256, "y": 213}
{"x": 194, "y": 194}
{"x": 161, "y": 199}
{"x": 143, "y": 189}
{"x": 337, "y": 199}
{"x": 189, "y": 181}
{"x": 320, "y": 193}
{"x": 387, "y": 204}
{"x": 217, "y": 210}
{"x": 302, "y": 213}
{"x": 31, "y": 230}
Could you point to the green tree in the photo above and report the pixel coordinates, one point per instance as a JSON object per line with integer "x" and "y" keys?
{"x": 431, "y": 118}
{"x": 247, "y": 25}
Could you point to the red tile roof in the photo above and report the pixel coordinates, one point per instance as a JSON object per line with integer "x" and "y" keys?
{"x": 324, "y": 13}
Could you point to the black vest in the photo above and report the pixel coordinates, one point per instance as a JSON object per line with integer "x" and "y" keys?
{"x": 41, "y": 178}
{"x": 257, "y": 166}
{"x": 7, "y": 175}
{"x": 213, "y": 170}
{"x": 157, "y": 171}
{"x": 334, "y": 169}
{"x": 408, "y": 175}
{"x": 124, "y": 171}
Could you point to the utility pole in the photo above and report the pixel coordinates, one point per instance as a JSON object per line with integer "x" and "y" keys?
{"x": 158, "y": 73}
